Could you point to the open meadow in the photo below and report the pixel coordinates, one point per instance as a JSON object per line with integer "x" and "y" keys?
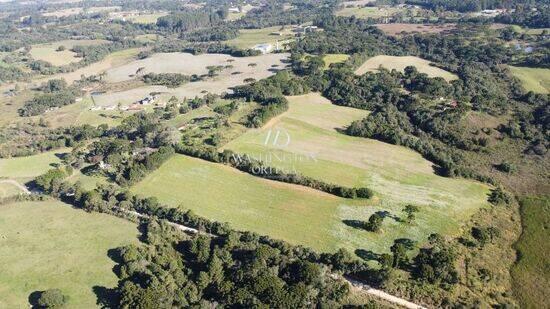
{"x": 304, "y": 216}
{"x": 367, "y": 11}
{"x": 30, "y": 166}
{"x": 248, "y": 38}
{"x": 400, "y": 63}
{"x": 531, "y": 273}
{"x": 533, "y": 79}
{"x": 242, "y": 68}
{"x": 49, "y": 53}
{"x": 50, "y": 245}
{"x": 398, "y": 28}
{"x": 334, "y": 58}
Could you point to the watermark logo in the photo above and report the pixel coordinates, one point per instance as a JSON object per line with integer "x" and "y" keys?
{"x": 278, "y": 138}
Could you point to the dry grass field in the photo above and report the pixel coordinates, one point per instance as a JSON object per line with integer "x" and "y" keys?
{"x": 398, "y": 28}
{"x": 48, "y": 52}
{"x": 64, "y": 12}
{"x": 366, "y": 12}
{"x": 399, "y": 63}
{"x": 50, "y": 245}
{"x": 189, "y": 64}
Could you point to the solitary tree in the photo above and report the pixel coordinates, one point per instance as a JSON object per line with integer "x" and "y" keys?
{"x": 51, "y": 299}
{"x": 375, "y": 222}
{"x": 410, "y": 210}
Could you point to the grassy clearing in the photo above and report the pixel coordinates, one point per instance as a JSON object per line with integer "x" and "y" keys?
{"x": 241, "y": 69}
{"x": 31, "y": 166}
{"x": 48, "y": 52}
{"x": 398, "y": 28}
{"x": 146, "y": 18}
{"x": 249, "y": 38}
{"x": 8, "y": 189}
{"x": 49, "y": 245}
{"x": 399, "y": 63}
{"x": 369, "y": 11}
{"x": 533, "y": 79}
{"x": 334, "y": 58}
{"x": 303, "y": 216}
{"x": 531, "y": 273}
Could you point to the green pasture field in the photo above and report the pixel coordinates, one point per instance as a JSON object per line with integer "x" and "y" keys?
{"x": 50, "y": 245}
{"x": 533, "y": 79}
{"x": 334, "y": 58}
{"x": 249, "y": 38}
{"x": 400, "y": 63}
{"x": 30, "y": 166}
{"x": 308, "y": 217}
{"x": 48, "y": 52}
{"x": 531, "y": 273}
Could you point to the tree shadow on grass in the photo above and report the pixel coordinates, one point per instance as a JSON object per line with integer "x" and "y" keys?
{"x": 357, "y": 224}
{"x": 33, "y": 298}
{"x": 368, "y": 255}
{"x": 106, "y": 298}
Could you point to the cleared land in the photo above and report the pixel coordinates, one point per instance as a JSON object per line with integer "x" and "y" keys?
{"x": 8, "y": 189}
{"x": 366, "y": 12}
{"x": 31, "y": 166}
{"x": 49, "y": 245}
{"x": 533, "y": 79}
{"x": 398, "y": 28}
{"x": 400, "y": 63}
{"x": 312, "y": 218}
{"x": 242, "y": 68}
{"x": 48, "y": 52}
{"x": 248, "y": 38}
{"x": 64, "y": 12}
{"x": 334, "y": 58}
{"x": 531, "y": 273}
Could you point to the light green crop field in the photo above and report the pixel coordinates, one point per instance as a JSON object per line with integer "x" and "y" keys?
{"x": 49, "y": 245}
{"x": 533, "y": 79}
{"x": 249, "y": 38}
{"x": 531, "y": 273}
{"x": 146, "y": 18}
{"x": 48, "y": 52}
{"x": 334, "y": 58}
{"x": 304, "y": 216}
{"x": 31, "y": 166}
{"x": 400, "y": 63}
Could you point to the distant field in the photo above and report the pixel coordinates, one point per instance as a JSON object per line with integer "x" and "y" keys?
{"x": 64, "y": 12}
{"x": 31, "y": 166}
{"x": 366, "y": 12}
{"x": 47, "y": 245}
{"x": 303, "y": 216}
{"x": 188, "y": 64}
{"x": 531, "y": 273}
{"x": 399, "y": 63}
{"x": 334, "y": 58}
{"x": 48, "y": 52}
{"x": 145, "y": 18}
{"x": 398, "y": 28}
{"x": 533, "y": 79}
{"x": 249, "y": 38}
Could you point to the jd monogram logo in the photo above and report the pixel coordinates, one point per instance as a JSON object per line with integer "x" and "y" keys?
{"x": 276, "y": 138}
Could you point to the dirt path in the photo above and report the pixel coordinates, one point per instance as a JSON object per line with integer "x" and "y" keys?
{"x": 356, "y": 284}
{"x": 18, "y": 185}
